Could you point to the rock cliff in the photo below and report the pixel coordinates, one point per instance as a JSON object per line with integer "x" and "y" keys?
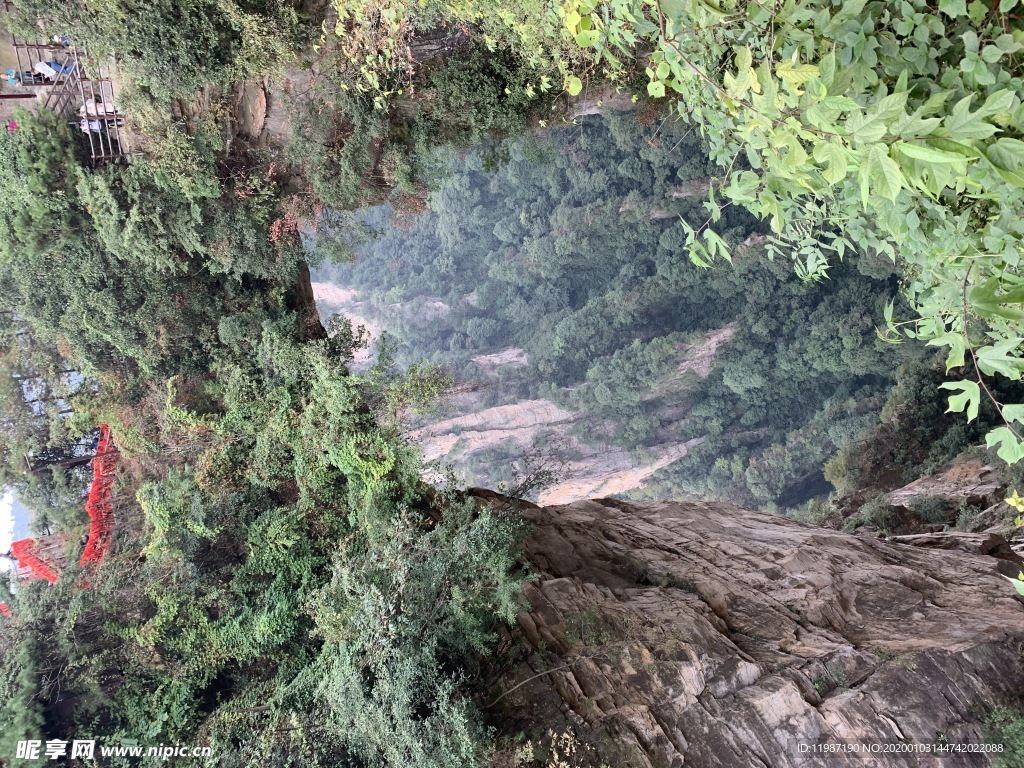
{"x": 700, "y": 634}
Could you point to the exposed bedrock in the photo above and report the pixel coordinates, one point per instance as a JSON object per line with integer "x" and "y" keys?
{"x": 700, "y": 634}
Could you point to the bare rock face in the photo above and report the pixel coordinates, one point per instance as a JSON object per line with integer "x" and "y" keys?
{"x": 700, "y": 634}
{"x": 965, "y": 481}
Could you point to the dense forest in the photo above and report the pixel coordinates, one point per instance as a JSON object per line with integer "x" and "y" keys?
{"x": 807, "y": 183}
{"x": 568, "y": 245}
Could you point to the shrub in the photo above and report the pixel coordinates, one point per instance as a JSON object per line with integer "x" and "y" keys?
{"x": 876, "y": 511}
{"x": 931, "y": 509}
{"x": 1006, "y": 726}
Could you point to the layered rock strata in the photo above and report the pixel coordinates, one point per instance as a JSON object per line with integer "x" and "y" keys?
{"x": 700, "y": 634}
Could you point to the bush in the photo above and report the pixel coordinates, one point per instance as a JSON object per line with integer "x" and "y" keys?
{"x": 170, "y": 47}
{"x": 1006, "y": 726}
{"x": 876, "y": 511}
{"x": 478, "y": 94}
{"x": 931, "y": 509}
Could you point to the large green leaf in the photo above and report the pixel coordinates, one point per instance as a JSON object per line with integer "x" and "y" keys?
{"x": 1011, "y": 450}
{"x": 1017, "y": 583}
{"x": 986, "y": 300}
{"x": 1007, "y": 156}
{"x": 886, "y": 177}
{"x": 957, "y": 348}
{"x": 964, "y": 124}
{"x": 834, "y": 155}
{"x": 929, "y": 154}
{"x": 997, "y": 358}
{"x": 969, "y": 397}
{"x": 957, "y": 147}
{"x": 796, "y": 74}
{"x": 1013, "y": 413}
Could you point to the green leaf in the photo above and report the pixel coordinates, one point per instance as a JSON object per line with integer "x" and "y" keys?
{"x": 969, "y": 397}
{"x": 886, "y": 177}
{"x": 888, "y": 107}
{"x": 827, "y": 65}
{"x": 835, "y": 156}
{"x": 1000, "y": 101}
{"x": 842, "y": 103}
{"x": 850, "y": 9}
{"x": 574, "y": 86}
{"x": 1011, "y": 450}
{"x": 1007, "y": 44}
{"x": 957, "y": 147}
{"x": 796, "y": 74}
{"x": 716, "y": 245}
{"x": 987, "y": 302}
{"x": 744, "y": 58}
{"x": 996, "y": 358}
{"x": 976, "y": 12}
{"x": 990, "y": 54}
{"x": 1007, "y": 157}
{"x": 737, "y": 86}
{"x": 958, "y": 347}
{"x": 656, "y": 89}
{"x": 699, "y": 255}
{"x": 745, "y": 78}
{"x": 1013, "y": 413}
{"x": 963, "y": 124}
{"x": 866, "y": 130}
{"x": 1007, "y": 5}
{"x": 587, "y": 38}
{"x": 929, "y": 154}
{"x": 953, "y": 8}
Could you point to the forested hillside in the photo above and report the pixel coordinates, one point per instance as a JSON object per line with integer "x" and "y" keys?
{"x": 804, "y": 240}
{"x": 568, "y": 245}
{"x": 279, "y": 581}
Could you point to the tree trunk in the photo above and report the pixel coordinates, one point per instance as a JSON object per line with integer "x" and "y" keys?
{"x": 304, "y": 304}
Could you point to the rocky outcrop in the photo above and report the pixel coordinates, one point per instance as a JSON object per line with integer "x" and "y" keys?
{"x": 990, "y": 544}
{"x": 700, "y": 634}
{"x": 965, "y": 482}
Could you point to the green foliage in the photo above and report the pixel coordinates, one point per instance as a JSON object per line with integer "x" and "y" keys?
{"x": 172, "y": 48}
{"x": 283, "y": 516}
{"x": 915, "y": 435}
{"x": 557, "y": 250}
{"x": 1006, "y": 726}
{"x": 174, "y": 508}
{"x": 393, "y": 615}
{"x": 886, "y": 127}
{"x": 337, "y": 140}
{"x": 931, "y": 509}
{"x": 375, "y": 38}
{"x": 23, "y": 713}
{"x": 476, "y": 95}
{"x": 877, "y": 512}
{"x": 94, "y": 263}
{"x": 294, "y": 566}
{"x": 967, "y": 517}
